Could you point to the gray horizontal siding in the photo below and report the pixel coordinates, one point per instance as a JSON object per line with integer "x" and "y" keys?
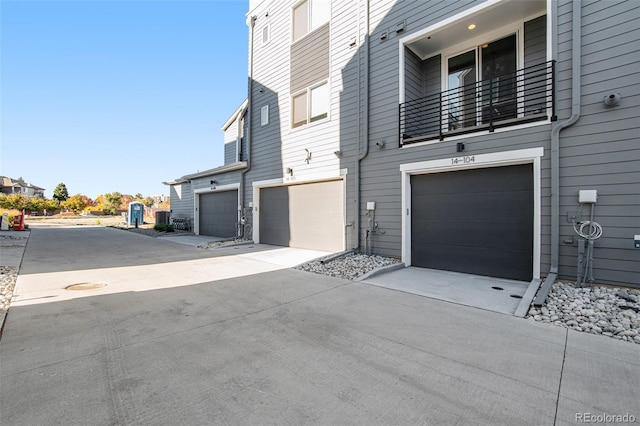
{"x": 535, "y": 41}
{"x": 310, "y": 59}
{"x": 414, "y": 76}
{"x": 181, "y": 199}
{"x": 230, "y": 155}
{"x": 601, "y": 151}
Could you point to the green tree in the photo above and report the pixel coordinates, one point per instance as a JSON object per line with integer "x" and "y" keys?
{"x": 112, "y": 202}
{"x": 148, "y": 201}
{"x": 60, "y": 193}
{"x": 75, "y": 203}
{"x": 13, "y": 201}
{"x": 39, "y": 205}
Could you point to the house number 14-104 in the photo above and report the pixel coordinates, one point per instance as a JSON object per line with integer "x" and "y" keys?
{"x": 463, "y": 160}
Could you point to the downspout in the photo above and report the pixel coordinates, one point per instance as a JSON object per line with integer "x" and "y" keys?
{"x": 243, "y": 177}
{"x": 576, "y": 62}
{"x": 363, "y": 128}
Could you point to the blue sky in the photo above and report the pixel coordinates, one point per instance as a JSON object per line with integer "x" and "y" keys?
{"x": 117, "y": 95}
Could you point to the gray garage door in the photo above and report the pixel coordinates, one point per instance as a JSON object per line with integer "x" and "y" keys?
{"x": 304, "y": 216}
{"x": 219, "y": 213}
{"x": 474, "y": 221}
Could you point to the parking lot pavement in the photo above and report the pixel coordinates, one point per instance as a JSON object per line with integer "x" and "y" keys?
{"x": 272, "y": 345}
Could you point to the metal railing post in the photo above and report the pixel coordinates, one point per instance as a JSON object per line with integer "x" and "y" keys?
{"x": 553, "y": 90}
{"x": 440, "y": 116}
{"x": 491, "y": 129}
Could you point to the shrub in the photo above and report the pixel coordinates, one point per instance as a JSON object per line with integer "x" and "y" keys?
{"x": 163, "y": 227}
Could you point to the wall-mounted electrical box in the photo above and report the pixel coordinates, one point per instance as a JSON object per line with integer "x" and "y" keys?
{"x": 371, "y": 205}
{"x": 588, "y": 196}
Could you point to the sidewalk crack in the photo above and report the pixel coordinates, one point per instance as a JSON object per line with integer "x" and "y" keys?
{"x": 564, "y": 357}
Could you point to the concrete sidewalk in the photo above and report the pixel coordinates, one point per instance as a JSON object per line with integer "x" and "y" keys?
{"x": 272, "y": 345}
{"x": 12, "y": 246}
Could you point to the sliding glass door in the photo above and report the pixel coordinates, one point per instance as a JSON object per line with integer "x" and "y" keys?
{"x": 481, "y": 84}
{"x": 499, "y": 88}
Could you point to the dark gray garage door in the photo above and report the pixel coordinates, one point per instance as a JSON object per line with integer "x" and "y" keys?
{"x": 219, "y": 213}
{"x": 476, "y": 221}
{"x": 304, "y": 216}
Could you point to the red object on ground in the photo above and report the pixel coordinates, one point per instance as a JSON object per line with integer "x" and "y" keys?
{"x": 18, "y": 223}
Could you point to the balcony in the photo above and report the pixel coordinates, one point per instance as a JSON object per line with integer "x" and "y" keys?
{"x": 523, "y": 96}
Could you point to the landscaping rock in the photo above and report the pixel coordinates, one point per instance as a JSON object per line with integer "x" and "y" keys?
{"x": 608, "y": 311}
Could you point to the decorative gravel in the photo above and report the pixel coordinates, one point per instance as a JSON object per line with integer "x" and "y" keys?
{"x": 609, "y": 311}
{"x": 8, "y": 277}
{"x": 349, "y": 266}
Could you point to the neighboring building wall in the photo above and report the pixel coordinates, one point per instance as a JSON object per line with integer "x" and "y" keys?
{"x": 219, "y": 180}
{"x": 381, "y": 169}
{"x": 599, "y": 152}
{"x": 231, "y": 143}
{"x": 181, "y": 196}
{"x": 277, "y": 146}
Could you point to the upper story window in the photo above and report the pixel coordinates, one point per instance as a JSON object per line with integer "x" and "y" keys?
{"x": 309, "y": 15}
{"x": 264, "y": 115}
{"x": 265, "y": 34}
{"x": 310, "y": 105}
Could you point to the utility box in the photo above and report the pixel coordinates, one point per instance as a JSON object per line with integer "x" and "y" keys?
{"x": 136, "y": 213}
{"x": 162, "y": 218}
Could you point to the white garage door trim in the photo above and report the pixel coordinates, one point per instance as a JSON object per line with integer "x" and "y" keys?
{"x": 318, "y": 177}
{"x": 463, "y": 162}
{"x": 196, "y": 201}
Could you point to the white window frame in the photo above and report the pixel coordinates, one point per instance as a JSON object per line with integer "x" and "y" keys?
{"x": 320, "y": 7}
{"x": 475, "y": 44}
{"x": 264, "y": 115}
{"x": 266, "y": 30}
{"x": 309, "y": 119}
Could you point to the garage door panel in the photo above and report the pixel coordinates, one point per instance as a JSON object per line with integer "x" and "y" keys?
{"x": 218, "y": 215}
{"x": 475, "y": 221}
{"x": 304, "y": 216}
{"x": 472, "y": 181}
{"x": 513, "y": 204}
{"x": 475, "y": 260}
{"x": 274, "y": 216}
{"x": 471, "y": 233}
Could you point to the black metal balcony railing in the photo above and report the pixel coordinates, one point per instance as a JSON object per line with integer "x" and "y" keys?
{"x": 524, "y": 96}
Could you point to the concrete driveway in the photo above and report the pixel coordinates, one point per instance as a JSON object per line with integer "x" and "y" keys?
{"x": 180, "y": 335}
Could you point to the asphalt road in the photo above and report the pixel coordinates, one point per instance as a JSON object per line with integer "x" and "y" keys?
{"x": 179, "y": 335}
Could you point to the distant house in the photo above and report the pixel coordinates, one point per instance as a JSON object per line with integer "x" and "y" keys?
{"x": 19, "y": 186}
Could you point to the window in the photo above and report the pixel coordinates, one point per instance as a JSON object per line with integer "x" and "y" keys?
{"x": 265, "y": 35}
{"x": 308, "y": 16}
{"x": 310, "y": 105}
{"x": 264, "y": 115}
{"x": 481, "y": 84}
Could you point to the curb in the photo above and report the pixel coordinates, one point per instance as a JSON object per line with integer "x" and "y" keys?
{"x": 527, "y": 298}
{"x": 4, "y": 314}
{"x": 381, "y": 270}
